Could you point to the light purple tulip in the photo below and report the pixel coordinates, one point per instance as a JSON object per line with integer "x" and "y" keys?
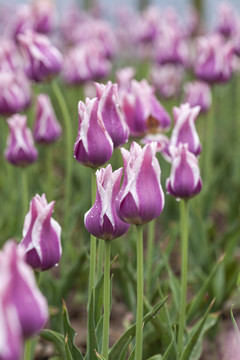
{"x": 226, "y": 19}
{"x": 20, "y": 148}
{"x": 102, "y": 220}
{"x": 9, "y": 56}
{"x": 85, "y": 62}
{"x": 198, "y": 93}
{"x": 214, "y": 59}
{"x": 184, "y": 130}
{"x": 94, "y": 146}
{"x": 20, "y": 21}
{"x": 141, "y": 198}
{"x": 22, "y": 291}
{"x": 184, "y": 181}
{"x": 124, "y": 77}
{"x": 44, "y": 16}
{"x": 162, "y": 144}
{"x": 111, "y": 113}
{"x": 47, "y": 128}
{"x": 143, "y": 112}
{"x": 167, "y": 80}
{"x": 41, "y": 235}
{"x": 15, "y": 92}
{"x": 147, "y": 27}
{"x": 41, "y": 59}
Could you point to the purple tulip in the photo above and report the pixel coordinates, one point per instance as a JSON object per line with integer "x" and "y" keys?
{"x": 112, "y": 116}
{"x": 85, "y": 62}
{"x": 20, "y": 21}
{"x": 15, "y": 92}
{"x": 9, "y": 56}
{"x": 184, "y": 130}
{"x": 214, "y": 59}
{"x": 124, "y": 77}
{"x": 43, "y": 13}
{"x": 162, "y": 144}
{"x": 198, "y": 93}
{"x": 42, "y": 60}
{"x": 167, "y": 80}
{"x": 41, "y": 235}
{"x": 184, "y": 181}
{"x": 47, "y": 128}
{"x": 94, "y": 146}
{"x": 226, "y": 19}
{"x": 21, "y": 290}
{"x": 147, "y": 27}
{"x": 20, "y": 149}
{"x": 102, "y": 220}
{"x": 141, "y": 198}
{"x": 143, "y": 112}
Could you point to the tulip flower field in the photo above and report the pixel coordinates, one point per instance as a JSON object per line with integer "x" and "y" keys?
{"x": 119, "y": 184}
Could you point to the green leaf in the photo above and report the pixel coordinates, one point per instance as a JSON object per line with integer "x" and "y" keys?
{"x": 195, "y": 334}
{"x": 72, "y": 351}
{"x": 174, "y": 284}
{"x": 123, "y": 354}
{"x": 169, "y": 349}
{"x": 132, "y": 355}
{"x": 99, "y": 356}
{"x": 155, "y": 357}
{"x": 99, "y": 296}
{"x": 93, "y": 345}
{"x": 237, "y": 332}
{"x": 117, "y": 347}
{"x": 54, "y": 337}
{"x": 99, "y": 330}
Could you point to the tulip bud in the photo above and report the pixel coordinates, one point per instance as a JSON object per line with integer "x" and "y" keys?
{"x": 184, "y": 181}
{"x": 184, "y": 130}
{"x": 20, "y": 149}
{"x": 214, "y": 59}
{"x": 41, "y": 235}
{"x": 9, "y": 56}
{"x": 226, "y": 19}
{"x": 111, "y": 114}
{"x": 162, "y": 144}
{"x": 47, "y": 128}
{"x": 21, "y": 290}
{"x": 141, "y": 198}
{"x": 124, "y": 77}
{"x": 42, "y": 60}
{"x": 15, "y": 92}
{"x": 198, "y": 93}
{"x": 94, "y": 146}
{"x": 102, "y": 220}
{"x": 43, "y": 13}
{"x": 143, "y": 112}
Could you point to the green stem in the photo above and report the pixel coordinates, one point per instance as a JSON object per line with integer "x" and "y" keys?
{"x": 209, "y": 142}
{"x": 184, "y": 270}
{"x": 69, "y": 140}
{"x": 139, "y": 318}
{"x": 106, "y": 301}
{"x": 100, "y": 259}
{"x": 149, "y": 259}
{"x": 49, "y": 163}
{"x": 25, "y": 200}
{"x": 28, "y": 350}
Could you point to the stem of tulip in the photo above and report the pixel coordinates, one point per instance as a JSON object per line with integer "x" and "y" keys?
{"x": 149, "y": 260}
{"x": 106, "y": 303}
{"x": 184, "y": 270}
{"x": 49, "y": 162}
{"x": 69, "y": 140}
{"x": 24, "y": 191}
{"x": 28, "y": 350}
{"x": 139, "y": 317}
{"x": 100, "y": 259}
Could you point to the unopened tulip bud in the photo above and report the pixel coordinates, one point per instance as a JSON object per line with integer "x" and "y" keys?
{"x": 94, "y": 146}
{"x": 184, "y": 130}
{"x": 47, "y": 128}
{"x": 141, "y": 198}
{"x": 41, "y": 235}
{"x": 198, "y": 93}
{"x": 20, "y": 149}
{"x": 184, "y": 181}
{"x": 43, "y": 13}
{"x": 102, "y": 220}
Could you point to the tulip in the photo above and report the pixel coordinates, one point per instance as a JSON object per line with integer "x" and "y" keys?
{"x": 43, "y": 13}
{"x": 20, "y": 21}
{"x": 47, "y": 128}
{"x": 167, "y": 80}
{"x": 9, "y": 56}
{"x": 142, "y": 110}
{"x": 184, "y": 181}
{"x": 15, "y": 92}
{"x": 198, "y": 93}
{"x": 124, "y": 77}
{"x": 162, "y": 144}
{"x": 141, "y": 172}
{"x": 20, "y": 149}
{"x": 42, "y": 60}
{"x": 21, "y": 290}
{"x": 94, "y": 146}
{"x": 214, "y": 59}
{"x": 147, "y": 27}
{"x": 41, "y": 235}
{"x": 184, "y": 130}
{"x": 102, "y": 220}
{"x": 111, "y": 114}
{"x": 226, "y": 19}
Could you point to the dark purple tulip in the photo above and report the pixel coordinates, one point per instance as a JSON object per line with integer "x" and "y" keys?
{"x": 22, "y": 291}
{"x": 41, "y": 235}
{"x": 111, "y": 113}
{"x": 94, "y": 146}
{"x": 198, "y": 93}
{"x": 20, "y": 150}
{"x": 47, "y": 128}
{"x": 184, "y": 181}
{"x": 184, "y": 130}
{"x": 102, "y": 220}
{"x": 141, "y": 198}
{"x": 41, "y": 59}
